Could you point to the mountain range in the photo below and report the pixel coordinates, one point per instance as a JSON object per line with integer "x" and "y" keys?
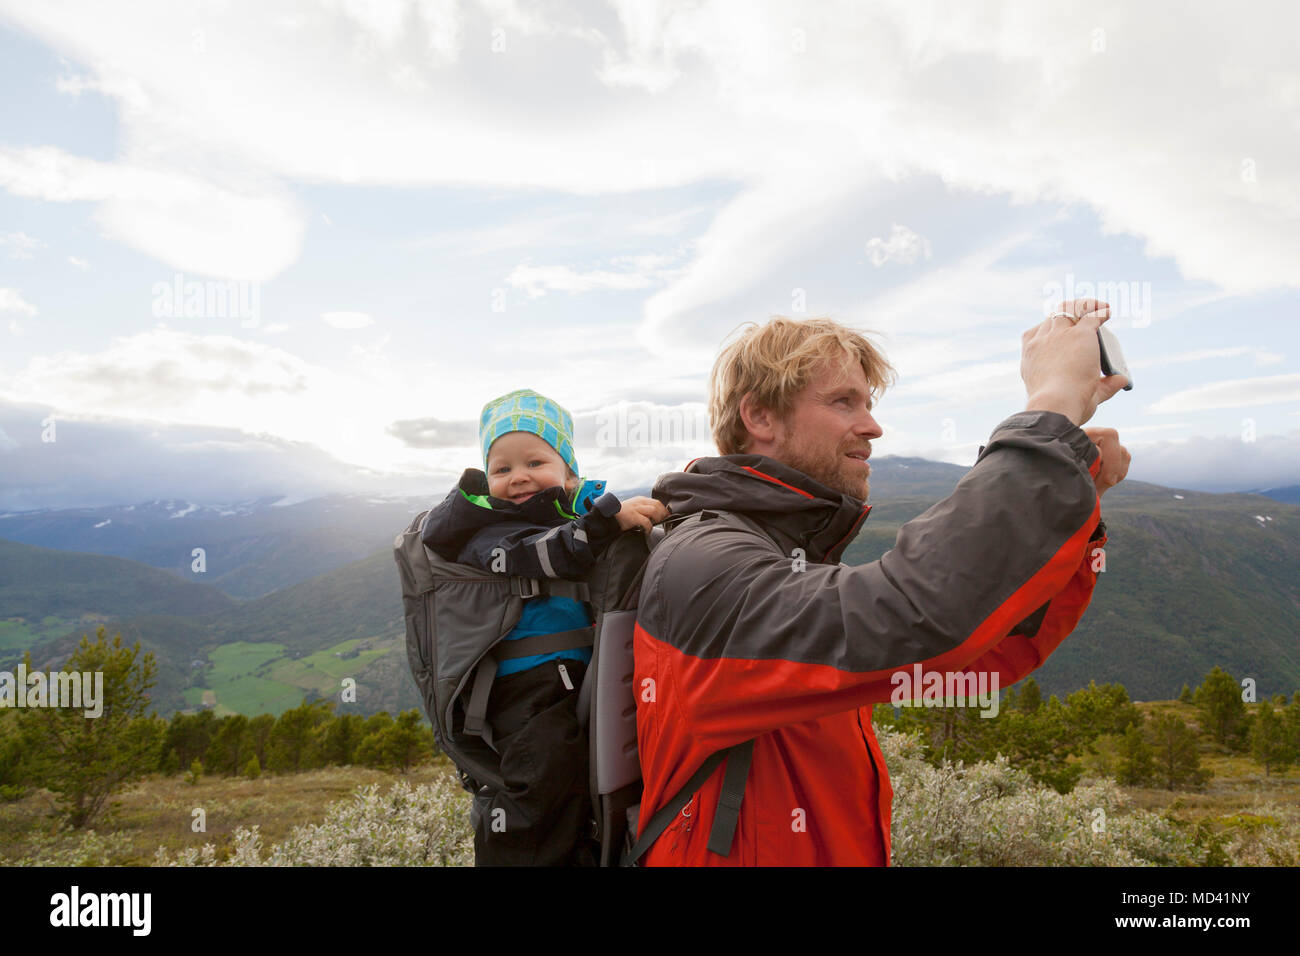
{"x": 291, "y": 597}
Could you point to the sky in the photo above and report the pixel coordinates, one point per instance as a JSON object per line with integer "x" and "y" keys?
{"x": 289, "y": 248}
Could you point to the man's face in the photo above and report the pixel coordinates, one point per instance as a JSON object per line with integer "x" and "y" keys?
{"x": 827, "y": 434}
{"x": 520, "y": 464}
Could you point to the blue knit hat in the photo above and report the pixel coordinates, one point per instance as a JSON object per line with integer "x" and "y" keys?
{"x": 526, "y": 411}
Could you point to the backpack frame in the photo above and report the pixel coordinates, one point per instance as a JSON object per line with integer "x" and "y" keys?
{"x": 456, "y": 618}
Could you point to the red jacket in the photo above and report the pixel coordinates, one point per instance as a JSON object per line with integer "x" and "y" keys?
{"x": 736, "y": 639}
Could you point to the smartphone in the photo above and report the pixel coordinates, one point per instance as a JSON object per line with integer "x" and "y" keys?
{"x": 1112, "y": 357}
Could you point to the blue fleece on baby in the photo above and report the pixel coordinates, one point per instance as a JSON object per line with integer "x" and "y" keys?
{"x": 547, "y": 615}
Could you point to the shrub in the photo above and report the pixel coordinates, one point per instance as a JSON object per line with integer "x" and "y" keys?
{"x": 990, "y": 814}
{"x": 407, "y": 826}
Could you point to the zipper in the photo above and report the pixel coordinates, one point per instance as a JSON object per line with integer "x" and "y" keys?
{"x": 682, "y": 825}
{"x": 564, "y": 676}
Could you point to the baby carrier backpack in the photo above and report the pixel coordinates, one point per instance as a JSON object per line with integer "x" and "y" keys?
{"x": 456, "y": 619}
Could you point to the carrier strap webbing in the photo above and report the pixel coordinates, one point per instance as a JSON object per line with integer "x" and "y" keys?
{"x": 550, "y": 587}
{"x": 733, "y": 792}
{"x": 476, "y": 710}
{"x": 724, "y": 817}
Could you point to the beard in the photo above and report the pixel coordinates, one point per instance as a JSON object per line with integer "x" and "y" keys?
{"x": 830, "y": 467}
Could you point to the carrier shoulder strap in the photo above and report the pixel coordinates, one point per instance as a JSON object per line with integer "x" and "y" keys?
{"x": 723, "y": 830}
{"x": 726, "y": 815}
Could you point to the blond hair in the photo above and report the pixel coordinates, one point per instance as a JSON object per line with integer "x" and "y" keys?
{"x": 775, "y": 362}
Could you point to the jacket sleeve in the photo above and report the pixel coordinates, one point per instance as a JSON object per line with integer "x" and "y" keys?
{"x": 444, "y": 532}
{"x": 1030, "y": 643}
{"x": 565, "y": 551}
{"x": 993, "y": 577}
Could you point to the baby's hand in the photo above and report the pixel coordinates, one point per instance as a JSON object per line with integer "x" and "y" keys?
{"x": 640, "y": 512}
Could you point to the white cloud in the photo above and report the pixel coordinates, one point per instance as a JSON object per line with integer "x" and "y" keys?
{"x": 167, "y": 376}
{"x": 1262, "y": 357}
{"x": 1233, "y": 393}
{"x": 1270, "y": 462}
{"x": 19, "y": 244}
{"x": 967, "y": 293}
{"x": 238, "y": 229}
{"x": 347, "y": 320}
{"x": 182, "y": 376}
{"x": 1015, "y": 98}
{"x": 903, "y": 246}
{"x": 81, "y": 264}
{"x": 536, "y": 281}
{"x": 126, "y": 90}
{"x": 1128, "y": 430}
{"x": 100, "y": 460}
{"x": 11, "y": 301}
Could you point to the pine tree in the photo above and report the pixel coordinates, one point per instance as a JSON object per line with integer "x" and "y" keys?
{"x": 12, "y": 754}
{"x": 403, "y": 743}
{"x": 190, "y": 735}
{"x": 84, "y": 759}
{"x": 259, "y": 737}
{"x": 1030, "y": 698}
{"x": 1269, "y": 743}
{"x": 1178, "y": 761}
{"x": 292, "y": 746}
{"x": 1136, "y": 763}
{"x": 1101, "y": 710}
{"x": 339, "y": 739}
{"x": 229, "y": 747}
{"x": 1219, "y": 701}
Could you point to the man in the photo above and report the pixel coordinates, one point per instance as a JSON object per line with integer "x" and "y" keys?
{"x": 750, "y": 629}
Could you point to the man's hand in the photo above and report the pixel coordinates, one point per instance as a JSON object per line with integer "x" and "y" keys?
{"x": 641, "y": 512}
{"x": 1061, "y": 362}
{"x": 1114, "y": 458}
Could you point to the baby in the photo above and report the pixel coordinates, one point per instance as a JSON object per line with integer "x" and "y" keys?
{"x": 529, "y": 514}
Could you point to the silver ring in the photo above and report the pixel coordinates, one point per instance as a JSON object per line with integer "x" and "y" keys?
{"x": 1074, "y": 319}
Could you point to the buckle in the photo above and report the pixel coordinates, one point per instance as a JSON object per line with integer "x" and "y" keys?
{"x": 526, "y": 587}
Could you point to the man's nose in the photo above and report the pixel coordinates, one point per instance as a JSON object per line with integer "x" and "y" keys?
{"x": 868, "y": 427}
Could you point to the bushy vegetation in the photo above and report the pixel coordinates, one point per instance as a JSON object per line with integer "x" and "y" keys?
{"x": 953, "y": 814}
{"x": 989, "y": 814}
{"x": 1099, "y": 729}
{"x": 1040, "y": 784}
{"x": 84, "y": 760}
{"x": 407, "y": 826}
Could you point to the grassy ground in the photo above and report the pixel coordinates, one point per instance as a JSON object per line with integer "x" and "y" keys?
{"x": 18, "y": 633}
{"x": 259, "y": 678}
{"x": 1238, "y": 787}
{"x": 159, "y": 811}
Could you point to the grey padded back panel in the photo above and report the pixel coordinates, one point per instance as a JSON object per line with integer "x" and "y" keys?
{"x": 613, "y": 730}
{"x": 617, "y": 764}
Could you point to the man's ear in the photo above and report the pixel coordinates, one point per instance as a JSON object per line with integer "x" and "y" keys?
{"x": 761, "y": 422}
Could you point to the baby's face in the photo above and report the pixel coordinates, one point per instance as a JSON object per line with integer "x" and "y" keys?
{"x": 520, "y": 464}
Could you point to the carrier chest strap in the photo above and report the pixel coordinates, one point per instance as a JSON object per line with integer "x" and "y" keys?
{"x": 549, "y": 587}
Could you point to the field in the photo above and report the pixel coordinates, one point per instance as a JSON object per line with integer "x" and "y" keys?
{"x": 260, "y": 678}
{"x": 18, "y": 634}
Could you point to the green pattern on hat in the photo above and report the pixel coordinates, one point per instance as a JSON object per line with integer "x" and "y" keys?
{"x": 527, "y": 411}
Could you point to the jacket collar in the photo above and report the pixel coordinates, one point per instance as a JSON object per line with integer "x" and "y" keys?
{"x": 797, "y": 510}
